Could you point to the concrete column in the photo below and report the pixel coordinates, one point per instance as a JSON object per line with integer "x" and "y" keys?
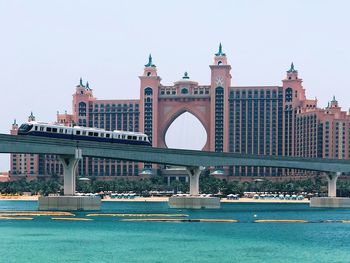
{"x": 194, "y": 173}
{"x": 70, "y": 163}
{"x": 332, "y": 184}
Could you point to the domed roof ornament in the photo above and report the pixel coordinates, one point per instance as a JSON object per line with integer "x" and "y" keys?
{"x": 185, "y": 76}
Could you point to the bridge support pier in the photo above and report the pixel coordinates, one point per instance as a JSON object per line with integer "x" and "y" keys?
{"x": 69, "y": 163}
{"x": 69, "y": 201}
{"x": 332, "y": 200}
{"x": 194, "y": 173}
{"x": 194, "y": 200}
{"x": 332, "y": 184}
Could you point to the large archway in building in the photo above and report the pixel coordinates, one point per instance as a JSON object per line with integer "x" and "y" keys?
{"x": 168, "y": 112}
{"x": 186, "y": 132}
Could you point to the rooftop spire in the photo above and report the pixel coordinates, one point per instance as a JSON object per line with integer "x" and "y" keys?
{"x": 81, "y": 82}
{"x": 150, "y": 63}
{"x": 292, "y": 69}
{"x": 31, "y": 117}
{"x": 185, "y": 76}
{"x": 334, "y": 102}
{"x": 87, "y": 85}
{"x": 220, "y": 53}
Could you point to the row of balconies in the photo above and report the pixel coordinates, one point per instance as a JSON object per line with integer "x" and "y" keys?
{"x": 109, "y": 113}
{"x": 113, "y": 106}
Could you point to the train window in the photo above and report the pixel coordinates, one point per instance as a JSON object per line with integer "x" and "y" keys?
{"x": 123, "y": 136}
{"x": 41, "y": 128}
{"x": 129, "y": 137}
{"x": 54, "y": 129}
{"x": 107, "y": 135}
{"x": 48, "y": 129}
{"x": 77, "y": 132}
{"x": 36, "y": 128}
{"x": 96, "y": 134}
{"x": 90, "y": 133}
{"x": 61, "y": 131}
{"x": 84, "y": 132}
{"x": 102, "y": 134}
{"x": 134, "y": 138}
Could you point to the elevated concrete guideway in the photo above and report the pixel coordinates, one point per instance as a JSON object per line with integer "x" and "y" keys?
{"x": 70, "y": 151}
{"x": 186, "y": 158}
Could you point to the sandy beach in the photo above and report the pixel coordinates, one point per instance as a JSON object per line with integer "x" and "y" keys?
{"x": 251, "y": 200}
{"x": 162, "y": 199}
{"x": 223, "y": 200}
{"x": 18, "y": 198}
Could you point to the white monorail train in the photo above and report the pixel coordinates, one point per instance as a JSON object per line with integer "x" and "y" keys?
{"x": 82, "y": 133}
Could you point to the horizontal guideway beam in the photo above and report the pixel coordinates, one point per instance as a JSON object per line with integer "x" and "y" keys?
{"x": 31, "y": 144}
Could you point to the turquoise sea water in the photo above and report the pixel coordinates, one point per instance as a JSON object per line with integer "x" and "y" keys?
{"x": 107, "y": 239}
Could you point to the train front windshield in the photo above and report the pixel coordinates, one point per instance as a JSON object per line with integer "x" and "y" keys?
{"x": 24, "y": 128}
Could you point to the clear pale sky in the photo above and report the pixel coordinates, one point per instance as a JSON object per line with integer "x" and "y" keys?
{"x": 46, "y": 46}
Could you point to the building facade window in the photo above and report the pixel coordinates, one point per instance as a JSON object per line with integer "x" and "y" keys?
{"x": 219, "y": 119}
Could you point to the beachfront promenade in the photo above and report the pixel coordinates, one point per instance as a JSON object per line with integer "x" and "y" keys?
{"x": 71, "y": 152}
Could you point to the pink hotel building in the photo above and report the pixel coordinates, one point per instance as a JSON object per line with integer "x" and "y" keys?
{"x": 264, "y": 120}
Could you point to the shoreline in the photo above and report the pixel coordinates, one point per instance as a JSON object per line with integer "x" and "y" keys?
{"x": 166, "y": 199}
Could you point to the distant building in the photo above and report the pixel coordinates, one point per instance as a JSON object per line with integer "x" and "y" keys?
{"x": 4, "y": 177}
{"x": 264, "y": 120}
{"x": 23, "y": 164}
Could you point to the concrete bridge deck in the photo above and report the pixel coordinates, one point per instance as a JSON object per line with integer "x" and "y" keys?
{"x": 186, "y": 158}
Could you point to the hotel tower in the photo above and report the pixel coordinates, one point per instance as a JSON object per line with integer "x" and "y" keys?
{"x": 261, "y": 120}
